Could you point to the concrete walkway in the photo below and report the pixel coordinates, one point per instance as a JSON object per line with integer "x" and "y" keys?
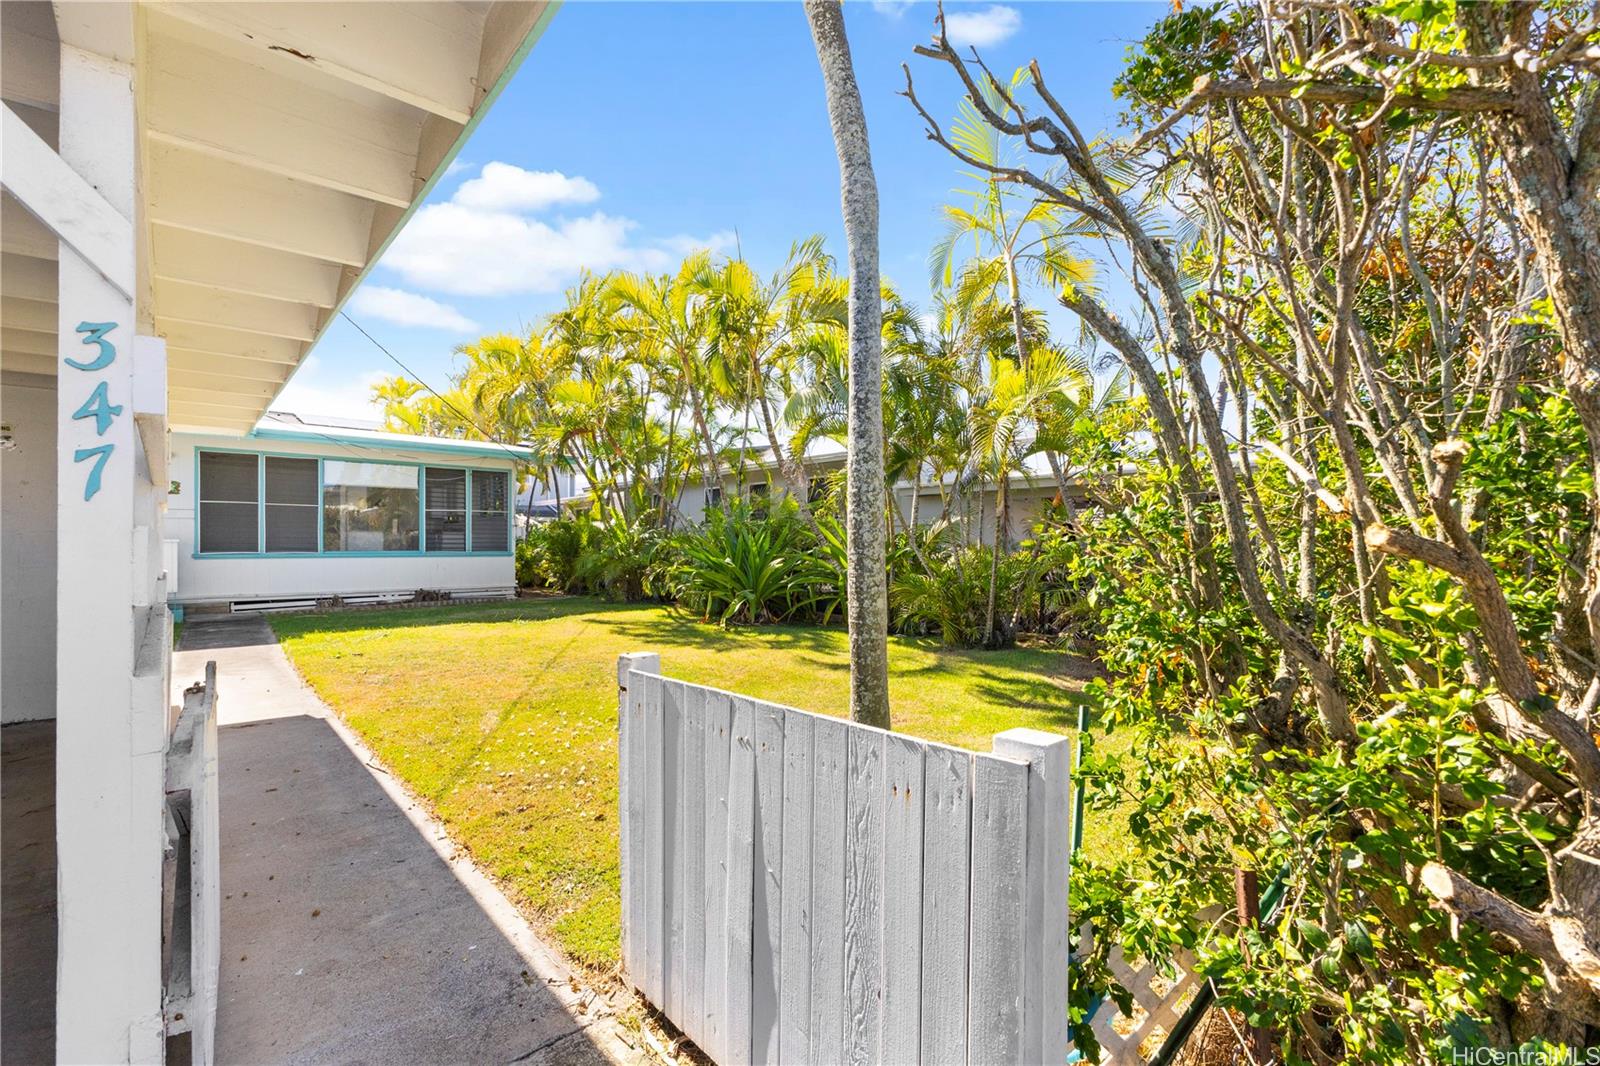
{"x": 348, "y": 934}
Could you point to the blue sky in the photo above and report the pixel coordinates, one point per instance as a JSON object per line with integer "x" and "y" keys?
{"x": 636, "y": 131}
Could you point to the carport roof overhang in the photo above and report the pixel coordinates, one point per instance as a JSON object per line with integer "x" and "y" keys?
{"x": 282, "y": 147}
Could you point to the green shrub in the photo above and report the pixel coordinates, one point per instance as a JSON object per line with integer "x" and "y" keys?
{"x": 548, "y": 557}
{"x": 740, "y": 567}
{"x": 619, "y": 558}
{"x": 951, "y": 596}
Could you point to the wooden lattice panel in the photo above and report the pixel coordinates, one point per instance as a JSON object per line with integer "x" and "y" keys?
{"x": 1159, "y": 1000}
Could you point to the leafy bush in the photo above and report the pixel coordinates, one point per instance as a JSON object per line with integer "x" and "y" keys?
{"x": 951, "y": 596}
{"x": 548, "y": 557}
{"x": 740, "y": 567}
{"x": 619, "y": 558}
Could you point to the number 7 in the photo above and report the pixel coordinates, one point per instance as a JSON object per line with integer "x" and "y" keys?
{"x": 102, "y": 452}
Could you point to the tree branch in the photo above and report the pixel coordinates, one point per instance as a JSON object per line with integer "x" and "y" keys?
{"x": 1466, "y": 99}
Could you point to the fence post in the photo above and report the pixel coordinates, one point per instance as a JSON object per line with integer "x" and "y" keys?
{"x": 1044, "y": 1010}
{"x": 629, "y": 739}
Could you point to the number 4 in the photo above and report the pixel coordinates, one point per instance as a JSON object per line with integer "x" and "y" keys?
{"x": 100, "y": 408}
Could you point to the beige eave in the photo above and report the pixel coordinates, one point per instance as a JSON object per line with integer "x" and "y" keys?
{"x": 283, "y": 147}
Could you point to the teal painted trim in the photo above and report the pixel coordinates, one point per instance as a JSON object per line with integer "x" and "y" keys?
{"x": 336, "y": 554}
{"x": 461, "y": 449}
{"x": 322, "y": 522}
{"x": 322, "y": 547}
{"x": 261, "y": 504}
{"x": 460, "y": 142}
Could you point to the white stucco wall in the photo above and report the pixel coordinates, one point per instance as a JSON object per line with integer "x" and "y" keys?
{"x": 221, "y": 579}
{"x": 28, "y": 549}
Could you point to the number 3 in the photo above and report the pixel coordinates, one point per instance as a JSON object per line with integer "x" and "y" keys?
{"x": 96, "y": 335}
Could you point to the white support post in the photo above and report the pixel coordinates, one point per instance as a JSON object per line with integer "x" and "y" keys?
{"x": 628, "y": 800}
{"x": 110, "y": 733}
{"x": 1044, "y": 1013}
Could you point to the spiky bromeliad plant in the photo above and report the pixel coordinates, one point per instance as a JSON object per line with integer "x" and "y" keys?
{"x": 740, "y": 567}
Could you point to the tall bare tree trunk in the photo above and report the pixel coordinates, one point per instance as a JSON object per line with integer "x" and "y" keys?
{"x": 867, "y": 590}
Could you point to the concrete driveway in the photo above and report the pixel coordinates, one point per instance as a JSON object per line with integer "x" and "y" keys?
{"x": 349, "y": 934}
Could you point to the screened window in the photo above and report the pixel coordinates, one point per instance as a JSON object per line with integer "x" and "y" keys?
{"x": 369, "y": 507}
{"x": 230, "y": 490}
{"x": 447, "y": 510}
{"x": 491, "y": 516}
{"x": 290, "y": 516}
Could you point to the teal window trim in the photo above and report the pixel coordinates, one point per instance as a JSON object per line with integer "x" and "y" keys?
{"x": 322, "y": 551}
{"x": 260, "y": 512}
{"x": 261, "y": 504}
{"x": 322, "y": 525}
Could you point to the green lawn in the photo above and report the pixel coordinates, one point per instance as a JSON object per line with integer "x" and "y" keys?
{"x": 503, "y": 716}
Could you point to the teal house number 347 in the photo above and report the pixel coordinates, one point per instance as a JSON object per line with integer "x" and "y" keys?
{"x": 98, "y": 405}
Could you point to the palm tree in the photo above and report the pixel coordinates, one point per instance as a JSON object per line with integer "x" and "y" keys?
{"x": 668, "y": 311}
{"x": 1005, "y": 431}
{"x": 756, "y": 331}
{"x": 1010, "y": 236}
{"x": 866, "y": 547}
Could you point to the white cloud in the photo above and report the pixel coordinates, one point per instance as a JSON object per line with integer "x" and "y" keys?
{"x": 484, "y": 240}
{"x": 409, "y": 309}
{"x": 456, "y": 166}
{"x": 982, "y": 29}
{"x": 349, "y": 399}
{"x": 891, "y": 8}
{"x": 503, "y": 187}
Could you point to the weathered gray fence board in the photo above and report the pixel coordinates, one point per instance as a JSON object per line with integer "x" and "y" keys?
{"x": 828, "y": 758}
{"x": 995, "y": 971}
{"x": 902, "y": 899}
{"x": 673, "y": 694}
{"x": 797, "y": 888}
{"x": 863, "y": 896}
{"x": 1049, "y": 841}
{"x": 794, "y": 996}
{"x": 655, "y": 843}
{"x": 692, "y": 814}
{"x": 946, "y": 884}
{"x": 718, "y": 734}
{"x": 631, "y": 803}
{"x": 767, "y": 941}
{"x": 741, "y": 872}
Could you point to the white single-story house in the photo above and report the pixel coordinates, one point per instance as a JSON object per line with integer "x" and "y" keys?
{"x": 299, "y": 511}
{"x": 192, "y": 191}
{"x": 969, "y": 509}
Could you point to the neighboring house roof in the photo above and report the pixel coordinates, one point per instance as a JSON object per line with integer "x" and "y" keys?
{"x": 284, "y": 425}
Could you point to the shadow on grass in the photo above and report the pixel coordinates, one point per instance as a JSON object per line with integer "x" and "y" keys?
{"x": 358, "y": 618}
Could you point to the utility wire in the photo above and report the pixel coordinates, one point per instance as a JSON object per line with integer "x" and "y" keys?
{"x": 441, "y": 397}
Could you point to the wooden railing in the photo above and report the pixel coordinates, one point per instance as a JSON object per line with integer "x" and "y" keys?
{"x": 798, "y": 888}
{"x": 192, "y": 932}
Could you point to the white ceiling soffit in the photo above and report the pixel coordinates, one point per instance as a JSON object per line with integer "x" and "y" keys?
{"x": 285, "y": 144}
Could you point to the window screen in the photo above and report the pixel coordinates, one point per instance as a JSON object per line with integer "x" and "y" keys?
{"x": 291, "y": 508}
{"x": 230, "y": 488}
{"x": 447, "y": 510}
{"x": 491, "y": 498}
{"x": 369, "y": 507}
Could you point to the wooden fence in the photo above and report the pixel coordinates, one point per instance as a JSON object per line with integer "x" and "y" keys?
{"x": 192, "y": 933}
{"x": 798, "y": 888}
